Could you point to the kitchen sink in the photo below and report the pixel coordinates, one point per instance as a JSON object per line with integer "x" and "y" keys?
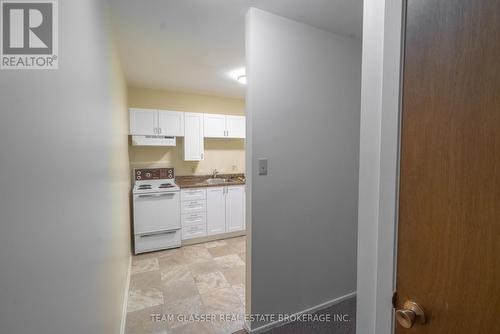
{"x": 216, "y": 181}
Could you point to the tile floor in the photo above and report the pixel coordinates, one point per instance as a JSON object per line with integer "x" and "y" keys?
{"x": 206, "y": 278}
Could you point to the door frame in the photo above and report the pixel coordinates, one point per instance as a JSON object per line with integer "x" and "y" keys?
{"x": 383, "y": 42}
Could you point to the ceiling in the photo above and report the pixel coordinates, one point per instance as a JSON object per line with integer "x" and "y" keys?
{"x": 192, "y": 45}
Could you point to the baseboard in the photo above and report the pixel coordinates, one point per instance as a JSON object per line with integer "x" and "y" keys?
{"x": 313, "y": 309}
{"x": 125, "y": 296}
{"x": 215, "y": 237}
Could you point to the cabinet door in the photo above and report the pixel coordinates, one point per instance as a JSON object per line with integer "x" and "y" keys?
{"x": 235, "y": 208}
{"x": 143, "y": 122}
{"x": 171, "y": 123}
{"x": 235, "y": 126}
{"x": 216, "y": 211}
{"x": 193, "y": 136}
{"x": 214, "y": 125}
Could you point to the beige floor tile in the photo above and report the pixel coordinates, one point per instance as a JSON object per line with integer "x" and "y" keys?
{"x": 176, "y": 273}
{"x": 178, "y": 290}
{"x": 229, "y": 261}
{"x": 139, "y": 299}
{"x": 215, "y": 243}
{"x": 163, "y": 282}
{"x": 144, "y": 265}
{"x": 144, "y": 256}
{"x": 149, "y": 279}
{"x": 196, "y": 254}
{"x": 204, "y": 267}
{"x": 228, "y": 327}
{"x": 168, "y": 252}
{"x": 222, "y": 301}
{"x": 236, "y": 240}
{"x": 167, "y": 262}
{"x": 235, "y": 275}
{"x": 240, "y": 291}
{"x": 181, "y": 310}
{"x": 243, "y": 256}
{"x": 210, "y": 281}
{"x": 139, "y": 322}
{"x": 221, "y": 251}
{"x": 238, "y": 246}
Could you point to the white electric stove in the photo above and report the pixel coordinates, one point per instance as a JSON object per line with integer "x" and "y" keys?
{"x": 157, "y": 217}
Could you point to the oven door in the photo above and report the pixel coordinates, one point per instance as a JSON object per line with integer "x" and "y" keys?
{"x": 156, "y": 212}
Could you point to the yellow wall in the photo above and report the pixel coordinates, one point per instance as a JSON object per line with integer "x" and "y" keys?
{"x": 225, "y": 155}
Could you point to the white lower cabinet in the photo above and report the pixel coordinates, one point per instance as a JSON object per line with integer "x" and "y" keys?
{"x": 235, "y": 208}
{"x": 215, "y": 210}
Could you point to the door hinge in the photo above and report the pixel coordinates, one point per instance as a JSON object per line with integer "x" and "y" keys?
{"x": 394, "y": 299}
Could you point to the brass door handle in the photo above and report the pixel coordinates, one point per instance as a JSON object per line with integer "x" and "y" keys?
{"x": 411, "y": 313}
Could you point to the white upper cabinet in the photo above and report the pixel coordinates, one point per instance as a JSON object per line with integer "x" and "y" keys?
{"x": 147, "y": 122}
{"x": 216, "y": 210}
{"x": 193, "y": 137}
{"x": 150, "y": 122}
{"x": 224, "y": 126}
{"x": 235, "y": 126}
{"x": 143, "y": 122}
{"x": 235, "y": 208}
{"x": 171, "y": 123}
{"x": 214, "y": 125}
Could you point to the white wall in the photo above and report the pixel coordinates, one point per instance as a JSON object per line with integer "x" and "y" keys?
{"x": 64, "y": 207}
{"x": 303, "y": 107}
{"x": 378, "y": 172}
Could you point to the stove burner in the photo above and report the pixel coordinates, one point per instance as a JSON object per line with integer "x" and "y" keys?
{"x": 166, "y": 185}
{"x": 146, "y": 186}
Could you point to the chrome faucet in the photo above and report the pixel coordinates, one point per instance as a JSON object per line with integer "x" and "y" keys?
{"x": 215, "y": 173}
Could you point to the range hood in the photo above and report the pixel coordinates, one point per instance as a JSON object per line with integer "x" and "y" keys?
{"x": 153, "y": 141}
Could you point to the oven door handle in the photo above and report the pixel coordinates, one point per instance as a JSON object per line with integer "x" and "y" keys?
{"x": 152, "y": 234}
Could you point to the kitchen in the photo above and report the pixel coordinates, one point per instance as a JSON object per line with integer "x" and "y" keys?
{"x": 187, "y": 160}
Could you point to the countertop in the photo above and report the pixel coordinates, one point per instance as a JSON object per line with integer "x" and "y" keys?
{"x": 197, "y": 181}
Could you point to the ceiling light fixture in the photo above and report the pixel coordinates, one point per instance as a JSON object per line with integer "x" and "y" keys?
{"x": 242, "y": 79}
{"x": 239, "y": 75}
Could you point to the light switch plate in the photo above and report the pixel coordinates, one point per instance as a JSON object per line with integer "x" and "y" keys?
{"x": 262, "y": 166}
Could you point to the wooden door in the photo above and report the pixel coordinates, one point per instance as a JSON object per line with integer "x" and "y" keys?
{"x": 449, "y": 212}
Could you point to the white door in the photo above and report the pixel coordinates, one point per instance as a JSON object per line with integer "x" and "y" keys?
{"x": 171, "y": 123}
{"x": 216, "y": 211}
{"x": 143, "y": 122}
{"x": 235, "y": 208}
{"x": 235, "y": 126}
{"x": 214, "y": 125}
{"x": 193, "y": 136}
